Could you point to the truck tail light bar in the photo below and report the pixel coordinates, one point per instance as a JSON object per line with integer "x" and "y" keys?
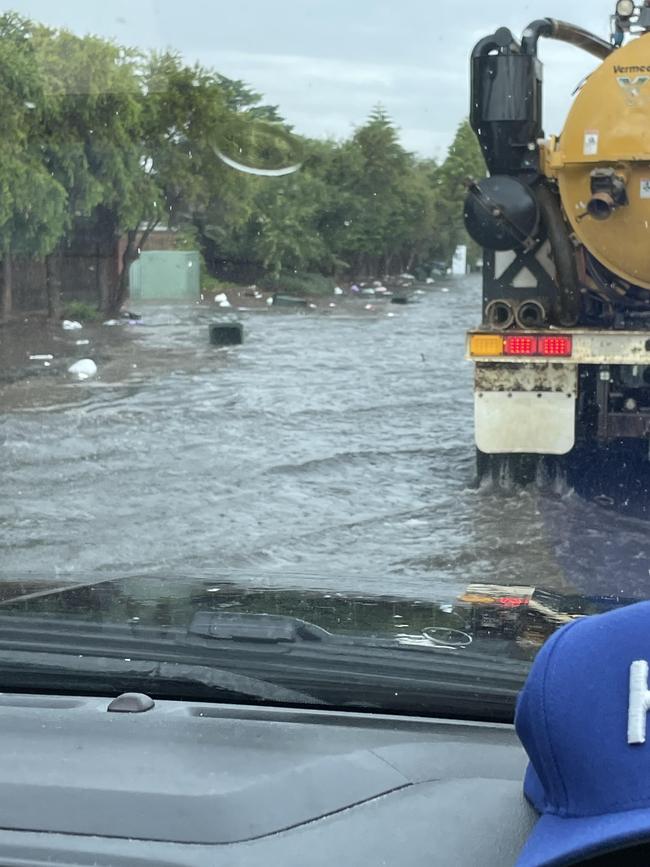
{"x": 546, "y": 345}
{"x": 520, "y": 345}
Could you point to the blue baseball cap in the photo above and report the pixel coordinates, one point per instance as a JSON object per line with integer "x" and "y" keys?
{"x": 583, "y": 718}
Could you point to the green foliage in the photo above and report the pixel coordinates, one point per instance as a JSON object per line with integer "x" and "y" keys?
{"x": 295, "y": 283}
{"x": 81, "y": 311}
{"x": 104, "y": 142}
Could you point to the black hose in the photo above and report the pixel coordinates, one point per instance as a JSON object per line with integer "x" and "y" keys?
{"x": 532, "y": 34}
{"x": 498, "y": 41}
{"x": 563, "y": 32}
{"x": 567, "y": 308}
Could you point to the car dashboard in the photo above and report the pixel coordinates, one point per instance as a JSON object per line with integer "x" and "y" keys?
{"x": 187, "y": 783}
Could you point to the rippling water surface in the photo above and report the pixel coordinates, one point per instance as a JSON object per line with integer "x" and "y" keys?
{"x": 332, "y": 450}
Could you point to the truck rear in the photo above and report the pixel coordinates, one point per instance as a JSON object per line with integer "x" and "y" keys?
{"x": 544, "y": 392}
{"x": 562, "y": 355}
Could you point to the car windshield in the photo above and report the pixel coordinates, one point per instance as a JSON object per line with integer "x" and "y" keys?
{"x": 322, "y": 345}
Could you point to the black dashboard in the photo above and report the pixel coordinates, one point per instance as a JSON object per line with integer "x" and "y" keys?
{"x": 195, "y": 784}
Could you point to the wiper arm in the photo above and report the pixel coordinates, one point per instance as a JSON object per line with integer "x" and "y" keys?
{"x": 275, "y": 628}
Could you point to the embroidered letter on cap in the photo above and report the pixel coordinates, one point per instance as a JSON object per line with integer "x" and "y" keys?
{"x": 639, "y": 702}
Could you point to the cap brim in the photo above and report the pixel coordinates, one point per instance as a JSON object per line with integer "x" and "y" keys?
{"x": 555, "y": 842}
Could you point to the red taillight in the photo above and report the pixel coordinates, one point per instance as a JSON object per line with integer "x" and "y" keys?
{"x": 512, "y": 601}
{"x": 520, "y": 345}
{"x": 556, "y": 345}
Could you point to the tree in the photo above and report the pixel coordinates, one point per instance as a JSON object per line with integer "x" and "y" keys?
{"x": 463, "y": 161}
{"x": 90, "y": 137}
{"x": 32, "y": 203}
{"x": 106, "y": 143}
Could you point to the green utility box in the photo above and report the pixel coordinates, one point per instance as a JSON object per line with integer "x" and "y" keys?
{"x": 166, "y": 276}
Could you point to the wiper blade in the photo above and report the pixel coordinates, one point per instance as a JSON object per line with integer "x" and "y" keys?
{"x": 67, "y": 672}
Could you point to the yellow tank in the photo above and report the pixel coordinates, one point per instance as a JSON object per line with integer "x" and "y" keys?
{"x": 602, "y": 163}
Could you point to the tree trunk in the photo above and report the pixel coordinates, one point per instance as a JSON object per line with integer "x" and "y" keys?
{"x": 53, "y": 288}
{"x": 7, "y": 285}
{"x": 120, "y": 289}
{"x": 131, "y": 254}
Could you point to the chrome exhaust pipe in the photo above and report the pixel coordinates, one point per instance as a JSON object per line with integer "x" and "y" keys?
{"x": 499, "y": 314}
{"x": 530, "y": 314}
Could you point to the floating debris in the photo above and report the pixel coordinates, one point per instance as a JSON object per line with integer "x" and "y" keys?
{"x": 83, "y": 369}
{"x": 226, "y": 333}
{"x": 71, "y": 325}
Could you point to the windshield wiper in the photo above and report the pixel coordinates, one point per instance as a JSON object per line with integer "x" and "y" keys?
{"x": 63, "y": 672}
{"x": 261, "y": 658}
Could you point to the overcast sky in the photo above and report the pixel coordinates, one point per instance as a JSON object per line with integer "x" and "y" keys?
{"x": 326, "y": 63}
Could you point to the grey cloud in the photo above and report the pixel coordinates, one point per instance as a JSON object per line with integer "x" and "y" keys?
{"x": 327, "y": 62}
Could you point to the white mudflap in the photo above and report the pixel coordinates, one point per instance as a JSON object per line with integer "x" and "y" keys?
{"x": 523, "y": 422}
{"x": 520, "y": 419}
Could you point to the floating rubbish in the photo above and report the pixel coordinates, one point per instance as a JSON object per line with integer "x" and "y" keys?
{"x": 134, "y": 317}
{"x": 407, "y": 276}
{"x": 380, "y": 290}
{"x": 222, "y": 300}
{"x": 41, "y": 357}
{"x": 390, "y": 315}
{"x": 84, "y": 342}
{"x": 367, "y": 291}
{"x": 332, "y": 304}
{"x": 400, "y": 299}
{"x": 376, "y": 282}
{"x": 312, "y": 306}
{"x": 445, "y": 289}
{"x": 368, "y": 307}
{"x": 354, "y": 288}
{"x": 269, "y": 301}
{"x": 288, "y": 301}
{"x": 71, "y": 325}
{"x": 429, "y": 281}
{"x": 83, "y": 369}
{"x": 226, "y": 333}
{"x": 338, "y": 290}
{"x": 111, "y": 322}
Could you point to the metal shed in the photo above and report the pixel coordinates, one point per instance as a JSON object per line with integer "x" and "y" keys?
{"x": 162, "y": 275}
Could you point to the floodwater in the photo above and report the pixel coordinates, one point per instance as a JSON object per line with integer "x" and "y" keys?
{"x": 333, "y": 450}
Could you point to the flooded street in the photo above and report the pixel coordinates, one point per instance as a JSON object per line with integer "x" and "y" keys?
{"x": 332, "y": 450}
